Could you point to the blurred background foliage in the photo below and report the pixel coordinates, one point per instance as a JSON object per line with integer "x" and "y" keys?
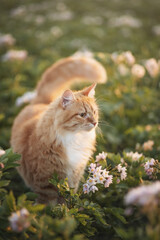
{"x": 50, "y": 30}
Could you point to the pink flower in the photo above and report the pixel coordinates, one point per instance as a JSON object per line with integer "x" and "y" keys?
{"x": 7, "y": 39}
{"x": 1, "y": 165}
{"x": 148, "y": 146}
{"x": 101, "y": 156}
{"x": 86, "y": 188}
{"x": 108, "y": 181}
{"x": 152, "y": 67}
{"x": 129, "y": 58}
{"x": 2, "y": 152}
{"x": 148, "y": 166}
{"x": 135, "y": 156}
{"x": 118, "y": 180}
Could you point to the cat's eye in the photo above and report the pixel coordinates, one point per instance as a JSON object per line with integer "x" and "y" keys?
{"x": 83, "y": 114}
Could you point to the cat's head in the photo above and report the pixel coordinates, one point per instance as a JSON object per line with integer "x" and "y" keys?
{"x": 78, "y": 111}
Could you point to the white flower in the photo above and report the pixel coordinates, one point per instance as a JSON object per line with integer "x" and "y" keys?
{"x": 148, "y": 146}
{"x": 123, "y": 70}
{"x": 14, "y": 55}
{"x": 98, "y": 170}
{"x": 96, "y": 175}
{"x": 86, "y": 188}
{"x": 122, "y": 160}
{"x": 2, "y": 152}
{"x": 122, "y": 170}
{"x": 105, "y": 173}
{"x": 135, "y": 156}
{"x": 89, "y": 20}
{"x": 149, "y": 171}
{"x": 93, "y": 189}
{"x": 92, "y": 168}
{"x": 123, "y": 173}
{"x": 119, "y": 167}
{"x": 152, "y": 67}
{"x": 83, "y": 53}
{"x": 101, "y": 156}
{"x": 125, "y": 20}
{"x": 117, "y": 58}
{"x": 129, "y": 58}
{"x": 143, "y": 195}
{"x": 7, "y": 39}
{"x": 91, "y": 181}
{"x": 20, "y": 11}
{"x": 100, "y": 179}
{"x": 108, "y": 181}
{"x": 25, "y": 98}
{"x": 56, "y": 31}
{"x": 152, "y": 161}
{"x": 138, "y": 71}
{"x": 19, "y": 220}
{"x": 156, "y": 30}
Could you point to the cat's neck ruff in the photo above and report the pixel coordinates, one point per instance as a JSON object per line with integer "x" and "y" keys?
{"x": 78, "y": 147}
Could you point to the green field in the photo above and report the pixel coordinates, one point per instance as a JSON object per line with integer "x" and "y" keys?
{"x": 129, "y": 106}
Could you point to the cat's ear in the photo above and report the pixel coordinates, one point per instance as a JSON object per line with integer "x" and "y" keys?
{"x": 89, "y": 91}
{"x": 67, "y": 98}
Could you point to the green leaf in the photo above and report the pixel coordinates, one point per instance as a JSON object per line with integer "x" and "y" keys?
{"x": 4, "y": 183}
{"x": 121, "y": 233}
{"x": 9, "y": 203}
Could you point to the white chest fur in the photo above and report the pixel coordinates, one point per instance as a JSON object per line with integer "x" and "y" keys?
{"x": 78, "y": 148}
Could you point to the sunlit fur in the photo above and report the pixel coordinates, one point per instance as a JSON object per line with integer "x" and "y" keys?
{"x": 55, "y": 137}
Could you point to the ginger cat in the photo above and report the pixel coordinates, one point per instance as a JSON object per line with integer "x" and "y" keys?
{"x": 56, "y": 131}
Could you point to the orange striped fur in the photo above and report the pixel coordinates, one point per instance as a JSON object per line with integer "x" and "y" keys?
{"x": 56, "y": 131}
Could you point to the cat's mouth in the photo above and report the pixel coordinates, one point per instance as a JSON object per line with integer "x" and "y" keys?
{"x": 90, "y": 126}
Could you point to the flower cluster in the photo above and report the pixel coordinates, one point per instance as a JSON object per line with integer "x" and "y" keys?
{"x": 123, "y": 171}
{"x": 15, "y": 55}
{"x": 98, "y": 176}
{"x": 148, "y": 166}
{"x": 125, "y": 57}
{"x": 127, "y": 64}
{"x": 19, "y": 220}
{"x": 143, "y": 195}
{"x": 135, "y": 156}
{"x": 125, "y": 20}
{"x": 7, "y": 39}
{"x": 148, "y": 146}
{"x": 101, "y": 156}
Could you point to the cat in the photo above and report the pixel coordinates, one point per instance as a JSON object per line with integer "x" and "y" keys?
{"x": 56, "y": 131}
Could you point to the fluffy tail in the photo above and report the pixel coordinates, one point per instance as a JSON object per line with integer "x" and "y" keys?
{"x": 61, "y": 74}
